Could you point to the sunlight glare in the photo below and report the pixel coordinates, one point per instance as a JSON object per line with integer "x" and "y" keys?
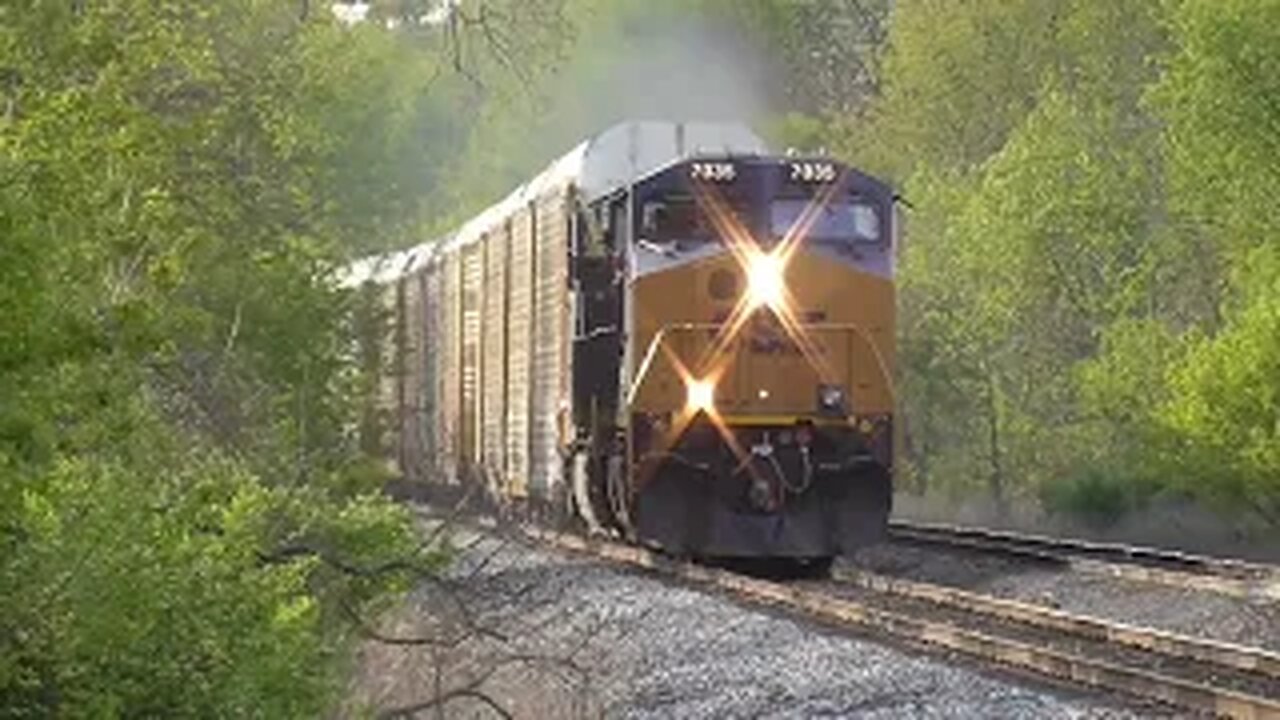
{"x": 701, "y": 395}
{"x": 764, "y": 280}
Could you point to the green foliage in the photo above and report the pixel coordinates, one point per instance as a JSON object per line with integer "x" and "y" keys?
{"x": 804, "y": 133}
{"x": 1218, "y": 97}
{"x": 110, "y": 603}
{"x": 183, "y": 513}
{"x": 1122, "y": 386}
{"x": 1086, "y": 300}
{"x": 1225, "y": 404}
{"x": 958, "y": 79}
{"x": 1098, "y": 498}
{"x": 145, "y": 587}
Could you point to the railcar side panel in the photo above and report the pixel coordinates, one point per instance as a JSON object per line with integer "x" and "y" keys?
{"x": 550, "y": 416}
{"x": 494, "y": 350}
{"x": 450, "y": 342}
{"x": 520, "y": 338}
{"x": 429, "y": 396}
{"x": 412, "y": 313}
{"x": 469, "y": 415}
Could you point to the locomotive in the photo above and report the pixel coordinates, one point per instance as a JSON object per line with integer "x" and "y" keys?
{"x": 670, "y": 335}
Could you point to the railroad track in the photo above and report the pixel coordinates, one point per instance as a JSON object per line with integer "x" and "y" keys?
{"x": 1255, "y": 581}
{"x": 1212, "y": 678}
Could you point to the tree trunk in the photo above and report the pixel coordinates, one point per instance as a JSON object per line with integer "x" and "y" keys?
{"x": 995, "y": 479}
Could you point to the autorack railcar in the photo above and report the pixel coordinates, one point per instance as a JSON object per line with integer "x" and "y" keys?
{"x": 671, "y": 334}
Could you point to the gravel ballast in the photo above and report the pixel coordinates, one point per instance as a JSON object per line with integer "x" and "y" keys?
{"x": 565, "y": 636}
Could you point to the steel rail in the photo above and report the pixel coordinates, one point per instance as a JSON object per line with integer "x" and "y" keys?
{"x": 1187, "y": 571}
{"x": 1039, "y": 659}
{"x": 1259, "y": 661}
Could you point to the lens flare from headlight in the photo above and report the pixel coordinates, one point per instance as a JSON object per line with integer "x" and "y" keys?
{"x": 701, "y": 395}
{"x": 764, "y": 280}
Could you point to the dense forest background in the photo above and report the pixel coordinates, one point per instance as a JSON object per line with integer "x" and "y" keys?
{"x": 1090, "y": 287}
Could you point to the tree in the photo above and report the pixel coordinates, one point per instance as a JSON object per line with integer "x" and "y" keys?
{"x": 1218, "y": 98}
{"x": 182, "y": 513}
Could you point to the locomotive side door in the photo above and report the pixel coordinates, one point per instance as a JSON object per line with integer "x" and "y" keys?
{"x": 598, "y": 283}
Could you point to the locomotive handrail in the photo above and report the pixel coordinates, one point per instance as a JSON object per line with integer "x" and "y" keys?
{"x": 659, "y": 336}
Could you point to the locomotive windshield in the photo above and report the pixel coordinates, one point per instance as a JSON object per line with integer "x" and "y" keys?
{"x": 679, "y": 223}
{"x": 839, "y": 220}
{"x": 675, "y": 219}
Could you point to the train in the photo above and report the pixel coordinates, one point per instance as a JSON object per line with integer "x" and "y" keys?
{"x": 670, "y": 335}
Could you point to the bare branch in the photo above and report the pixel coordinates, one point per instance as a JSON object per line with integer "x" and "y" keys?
{"x": 234, "y": 332}
{"x": 371, "y": 633}
{"x": 410, "y": 711}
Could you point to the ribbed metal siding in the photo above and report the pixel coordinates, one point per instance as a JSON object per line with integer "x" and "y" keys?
{"x": 450, "y": 366}
{"x": 472, "y": 371}
{"x": 494, "y": 357}
{"x": 410, "y": 425}
{"x": 429, "y": 396}
{"x": 550, "y": 343}
{"x": 519, "y": 355}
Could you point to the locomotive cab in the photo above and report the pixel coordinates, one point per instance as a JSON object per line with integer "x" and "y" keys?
{"x": 735, "y": 355}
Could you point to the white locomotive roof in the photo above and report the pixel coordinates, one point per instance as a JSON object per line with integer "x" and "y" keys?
{"x": 626, "y": 153}
{"x": 620, "y": 155}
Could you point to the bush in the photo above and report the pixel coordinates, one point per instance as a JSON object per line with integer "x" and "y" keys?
{"x": 1095, "y": 498}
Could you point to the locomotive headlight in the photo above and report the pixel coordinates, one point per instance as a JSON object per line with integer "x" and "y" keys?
{"x": 701, "y": 395}
{"x": 764, "y": 280}
{"x": 831, "y": 398}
